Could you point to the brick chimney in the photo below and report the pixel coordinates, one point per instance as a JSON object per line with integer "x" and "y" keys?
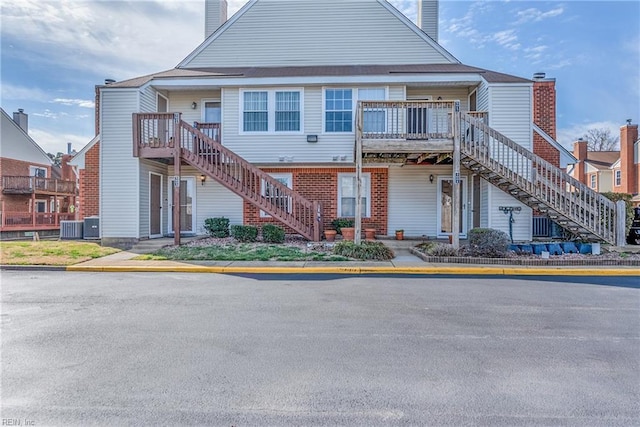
{"x": 22, "y": 120}
{"x": 544, "y": 116}
{"x": 580, "y": 153}
{"x": 428, "y": 17}
{"x": 215, "y": 14}
{"x": 628, "y": 137}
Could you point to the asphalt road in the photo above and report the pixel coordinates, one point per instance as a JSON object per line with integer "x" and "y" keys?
{"x": 205, "y": 349}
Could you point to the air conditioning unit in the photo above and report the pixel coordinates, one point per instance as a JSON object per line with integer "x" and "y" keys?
{"x": 92, "y": 227}
{"x": 70, "y": 230}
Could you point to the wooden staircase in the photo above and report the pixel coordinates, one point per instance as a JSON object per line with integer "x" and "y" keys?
{"x": 155, "y": 135}
{"x": 538, "y": 184}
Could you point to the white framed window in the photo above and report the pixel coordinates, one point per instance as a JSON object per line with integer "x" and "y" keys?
{"x": 211, "y": 111}
{"x": 347, "y": 195}
{"x": 41, "y": 206}
{"x": 338, "y": 110}
{"x": 618, "y": 174}
{"x": 37, "y": 171}
{"x": 272, "y": 193}
{"x": 593, "y": 179}
{"x": 255, "y": 111}
{"x": 271, "y": 111}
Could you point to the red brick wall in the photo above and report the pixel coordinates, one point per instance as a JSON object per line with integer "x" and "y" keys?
{"x": 89, "y": 200}
{"x": 321, "y": 184}
{"x": 628, "y": 136}
{"x": 544, "y": 115}
{"x": 580, "y": 153}
{"x": 13, "y": 167}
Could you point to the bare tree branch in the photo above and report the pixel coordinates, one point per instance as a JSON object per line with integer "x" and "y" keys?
{"x": 601, "y": 140}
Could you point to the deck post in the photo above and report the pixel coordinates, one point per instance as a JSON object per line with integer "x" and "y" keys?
{"x": 621, "y": 223}
{"x": 455, "y": 203}
{"x": 176, "y": 180}
{"x": 358, "y": 154}
{"x": 33, "y": 202}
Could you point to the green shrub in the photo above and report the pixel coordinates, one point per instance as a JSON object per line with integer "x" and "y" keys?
{"x": 487, "y": 242}
{"x": 364, "y": 251}
{"x": 244, "y": 233}
{"x": 217, "y": 227}
{"x": 272, "y": 233}
{"x": 438, "y": 249}
{"x": 340, "y": 223}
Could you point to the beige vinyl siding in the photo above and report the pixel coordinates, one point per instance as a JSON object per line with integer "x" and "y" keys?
{"x": 448, "y": 94}
{"x": 16, "y": 145}
{"x": 119, "y": 176}
{"x": 328, "y": 32}
{"x": 294, "y": 148}
{"x": 147, "y": 166}
{"x": 413, "y": 200}
{"x": 213, "y": 200}
{"x": 482, "y": 97}
{"x": 181, "y": 102}
{"x": 148, "y": 100}
{"x": 511, "y": 112}
{"x": 484, "y": 203}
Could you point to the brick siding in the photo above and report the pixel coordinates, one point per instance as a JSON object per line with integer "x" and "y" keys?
{"x": 89, "y": 200}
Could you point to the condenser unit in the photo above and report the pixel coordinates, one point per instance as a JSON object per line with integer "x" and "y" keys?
{"x": 70, "y": 230}
{"x": 92, "y": 227}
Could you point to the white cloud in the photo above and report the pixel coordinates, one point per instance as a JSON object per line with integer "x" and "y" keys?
{"x": 507, "y": 39}
{"x": 567, "y": 136}
{"x": 53, "y": 143}
{"x": 14, "y": 92}
{"x": 536, "y": 15}
{"x": 84, "y": 103}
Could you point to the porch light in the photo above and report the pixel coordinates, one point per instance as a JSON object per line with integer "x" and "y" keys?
{"x": 194, "y": 105}
{"x": 203, "y": 178}
{"x": 312, "y": 138}
{"x": 431, "y": 178}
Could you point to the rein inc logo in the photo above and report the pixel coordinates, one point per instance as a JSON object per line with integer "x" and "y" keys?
{"x": 17, "y": 422}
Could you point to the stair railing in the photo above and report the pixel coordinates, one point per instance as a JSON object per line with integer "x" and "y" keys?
{"x": 538, "y": 178}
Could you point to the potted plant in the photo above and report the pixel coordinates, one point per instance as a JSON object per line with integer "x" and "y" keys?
{"x": 348, "y": 233}
{"x": 400, "y": 234}
{"x": 370, "y": 233}
{"x": 330, "y": 235}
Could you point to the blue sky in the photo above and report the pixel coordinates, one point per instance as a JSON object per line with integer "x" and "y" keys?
{"x": 55, "y": 52}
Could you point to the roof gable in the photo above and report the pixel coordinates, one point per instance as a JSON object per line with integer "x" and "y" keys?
{"x": 16, "y": 144}
{"x": 271, "y": 33}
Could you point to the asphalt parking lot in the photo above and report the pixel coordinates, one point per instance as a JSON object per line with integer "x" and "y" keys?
{"x": 209, "y": 349}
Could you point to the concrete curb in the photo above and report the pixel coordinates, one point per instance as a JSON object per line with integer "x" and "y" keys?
{"x": 33, "y": 267}
{"x": 506, "y": 271}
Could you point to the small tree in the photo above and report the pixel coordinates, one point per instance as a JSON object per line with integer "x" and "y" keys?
{"x": 601, "y": 140}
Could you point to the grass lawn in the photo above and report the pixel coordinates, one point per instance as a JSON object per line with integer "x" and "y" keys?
{"x": 51, "y": 252}
{"x": 241, "y": 252}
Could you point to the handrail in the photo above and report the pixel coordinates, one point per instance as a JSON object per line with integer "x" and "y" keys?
{"x": 414, "y": 120}
{"x": 550, "y": 185}
{"x": 38, "y": 184}
{"x": 200, "y": 146}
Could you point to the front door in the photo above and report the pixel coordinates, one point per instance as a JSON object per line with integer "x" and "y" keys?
{"x": 155, "y": 205}
{"x": 187, "y": 204}
{"x": 445, "y": 206}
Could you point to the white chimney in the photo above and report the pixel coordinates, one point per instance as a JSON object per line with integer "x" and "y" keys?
{"x": 215, "y": 14}
{"x": 22, "y": 120}
{"x": 428, "y": 17}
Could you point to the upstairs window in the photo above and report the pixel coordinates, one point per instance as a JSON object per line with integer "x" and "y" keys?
{"x": 593, "y": 180}
{"x": 374, "y": 119}
{"x": 255, "y": 112}
{"x": 37, "y": 172}
{"x": 272, "y": 111}
{"x": 338, "y": 107}
{"x": 618, "y": 178}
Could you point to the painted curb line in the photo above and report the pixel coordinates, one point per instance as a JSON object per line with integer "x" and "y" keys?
{"x": 510, "y": 271}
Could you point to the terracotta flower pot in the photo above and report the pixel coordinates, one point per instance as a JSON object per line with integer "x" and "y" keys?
{"x": 370, "y": 233}
{"x": 347, "y": 233}
{"x": 330, "y": 235}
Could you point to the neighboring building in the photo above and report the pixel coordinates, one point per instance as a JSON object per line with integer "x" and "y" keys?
{"x": 36, "y": 194}
{"x": 611, "y": 171}
{"x": 282, "y": 107}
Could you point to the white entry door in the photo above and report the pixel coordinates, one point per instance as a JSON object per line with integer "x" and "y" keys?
{"x": 187, "y": 204}
{"x": 445, "y": 206}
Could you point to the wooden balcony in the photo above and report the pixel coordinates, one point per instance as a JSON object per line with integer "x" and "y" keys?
{"x": 30, "y": 221}
{"x": 407, "y": 131}
{"x": 38, "y": 185}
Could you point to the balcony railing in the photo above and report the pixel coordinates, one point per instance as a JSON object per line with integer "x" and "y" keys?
{"x": 25, "y": 221}
{"x": 34, "y": 184}
{"x": 409, "y": 120}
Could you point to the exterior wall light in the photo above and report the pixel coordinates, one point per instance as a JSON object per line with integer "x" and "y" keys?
{"x": 312, "y": 138}
{"x": 431, "y": 178}
{"x": 203, "y": 178}
{"x": 194, "y": 105}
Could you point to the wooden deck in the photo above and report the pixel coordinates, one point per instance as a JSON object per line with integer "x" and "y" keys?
{"x": 37, "y": 185}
